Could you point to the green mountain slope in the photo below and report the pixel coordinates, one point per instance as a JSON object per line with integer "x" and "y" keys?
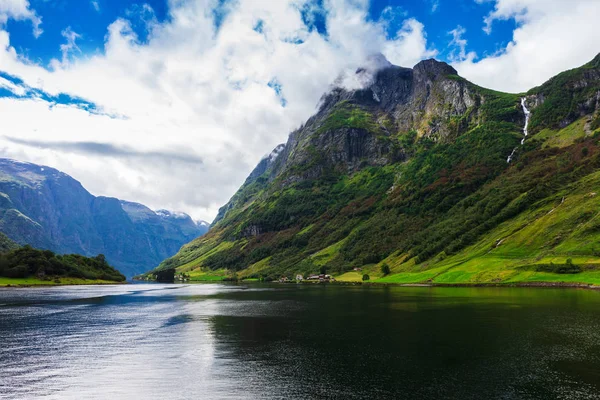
{"x": 411, "y": 171}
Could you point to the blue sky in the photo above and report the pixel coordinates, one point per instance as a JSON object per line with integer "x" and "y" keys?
{"x": 440, "y": 17}
{"x": 172, "y": 103}
{"x": 83, "y": 17}
{"x": 90, "y": 20}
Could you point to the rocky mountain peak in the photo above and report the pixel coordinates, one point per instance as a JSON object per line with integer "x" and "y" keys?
{"x": 385, "y": 86}
{"x": 433, "y": 68}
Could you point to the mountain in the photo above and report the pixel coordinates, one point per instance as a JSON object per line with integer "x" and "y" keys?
{"x": 426, "y": 174}
{"x": 50, "y": 210}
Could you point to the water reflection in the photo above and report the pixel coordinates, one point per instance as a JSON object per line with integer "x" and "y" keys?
{"x": 286, "y": 341}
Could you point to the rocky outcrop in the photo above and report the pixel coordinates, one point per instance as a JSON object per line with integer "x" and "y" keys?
{"x": 48, "y": 209}
{"x": 566, "y": 97}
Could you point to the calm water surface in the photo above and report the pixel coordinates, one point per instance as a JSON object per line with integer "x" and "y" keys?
{"x": 298, "y": 342}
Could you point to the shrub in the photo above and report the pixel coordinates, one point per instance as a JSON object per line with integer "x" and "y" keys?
{"x": 385, "y": 269}
{"x": 567, "y": 268}
{"x": 366, "y": 277}
{"x": 20, "y": 271}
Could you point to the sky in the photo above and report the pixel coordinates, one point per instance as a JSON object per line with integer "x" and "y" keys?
{"x": 172, "y": 103}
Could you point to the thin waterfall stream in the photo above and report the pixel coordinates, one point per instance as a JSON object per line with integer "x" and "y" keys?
{"x": 525, "y": 128}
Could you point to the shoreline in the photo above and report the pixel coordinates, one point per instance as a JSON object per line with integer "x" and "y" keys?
{"x": 562, "y": 285}
{"x": 53, "y": 284}
{"x": 566, "y": 285}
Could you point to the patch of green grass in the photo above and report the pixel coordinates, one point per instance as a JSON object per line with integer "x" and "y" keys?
{"x": 206, "y": 276}
{"x": 411, "y": 277}
{"x": 350, "y": 116}
{"x": 327, "y": 254}
{"x": 588, "y": 277}
{"x": 255, "y": 269}
{"x": 306, "y": 230}
{"x": 52, "y": 282}
{"x": 351, "y": 276}
{"x": 563, "y": 137}
{"x": 197, "y": 262}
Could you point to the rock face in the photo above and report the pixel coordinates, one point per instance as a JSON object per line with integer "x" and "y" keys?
{"x": 48, "y": 209}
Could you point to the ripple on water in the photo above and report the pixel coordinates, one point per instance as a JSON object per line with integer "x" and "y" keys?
{"x": 246, "y": 342}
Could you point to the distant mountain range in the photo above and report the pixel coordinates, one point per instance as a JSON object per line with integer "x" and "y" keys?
{"x": 417, "y": 175}
{"x": 48, "y": 209}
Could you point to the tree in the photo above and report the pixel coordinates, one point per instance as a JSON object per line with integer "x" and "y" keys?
{"x": 385, "y": 269}
{"x": 366, "y": 277}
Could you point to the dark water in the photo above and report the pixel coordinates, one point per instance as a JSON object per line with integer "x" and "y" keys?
{"x": 288, "y": 342}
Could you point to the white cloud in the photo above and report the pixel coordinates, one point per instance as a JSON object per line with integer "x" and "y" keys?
{"x": 20, "y": 10}
{"x": 393, "y": 14}
{"x": 95, "y": 5}
{"x": 192, "y": 90}
{"x": 507, "y": 9}
{"x": 552, "y": 36}
{"x": 409, "y": 46}
{"x": 458, "y": 46}
{"x": 70, "y": 47}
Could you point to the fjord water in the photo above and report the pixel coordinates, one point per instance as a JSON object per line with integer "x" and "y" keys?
{"x": 217, "y": 341}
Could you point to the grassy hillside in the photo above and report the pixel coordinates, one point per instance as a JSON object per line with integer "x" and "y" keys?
{"x": 433, "y": 203}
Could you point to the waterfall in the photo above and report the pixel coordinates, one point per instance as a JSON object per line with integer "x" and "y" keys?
{"x": 511, "y": 155}
{"x": 525, "y": 128}
{"x": 527, "y": 116}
